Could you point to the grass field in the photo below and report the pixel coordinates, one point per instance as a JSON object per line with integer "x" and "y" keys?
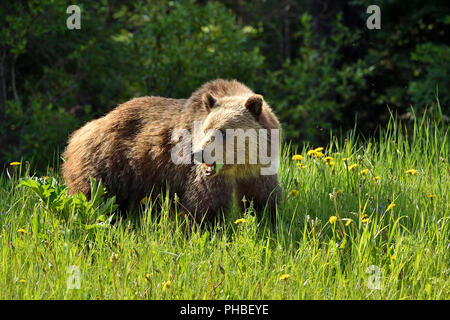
{"x": 371, "y": 222}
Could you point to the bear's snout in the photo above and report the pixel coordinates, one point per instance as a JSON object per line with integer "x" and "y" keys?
{"x": 209, "y": 169}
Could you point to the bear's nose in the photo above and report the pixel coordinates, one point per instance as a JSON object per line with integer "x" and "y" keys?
{"x": 198, "y": 156}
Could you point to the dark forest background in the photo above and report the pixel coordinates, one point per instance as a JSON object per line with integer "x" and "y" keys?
{"x": 315, "y": 62}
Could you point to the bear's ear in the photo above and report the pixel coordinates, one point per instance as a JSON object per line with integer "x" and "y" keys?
{"x": 254, "y": 104}
{"x": 208, "y": 101}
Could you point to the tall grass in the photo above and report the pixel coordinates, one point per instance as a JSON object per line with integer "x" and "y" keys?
{"x": 377, "y": 230}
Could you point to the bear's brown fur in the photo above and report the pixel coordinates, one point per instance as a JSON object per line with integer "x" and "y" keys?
{"x": 129, "y": 150}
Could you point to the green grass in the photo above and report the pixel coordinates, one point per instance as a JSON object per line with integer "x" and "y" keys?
{"x": 400, "y": 253}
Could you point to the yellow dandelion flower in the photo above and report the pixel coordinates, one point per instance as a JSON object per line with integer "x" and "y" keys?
{"x": 22, "y": 231}
{"x": 393, "y": 257}
{"x": 364, "y": 218}
{"x": 318, "y": 149}
{"x": 431, "y": 196}
{"x": 22, "y": 280}
{"x": 376, "y": 178}
{"x": 167, "y": 285}
{"x": 411, "y": 171}
{"x": 347, "y": 159}
{"x": 318, "y": 154}
{"x": 148, "y": 276}
{"x": 15, "y": 163}
{"x": 329, "y": 161}
{"x": 297, "y": 157}
{"x": 348, "y": 222}
{"x": 301, "y": 165}
{"x": 241, "y": 220}
{"x": 113, "y": 257}
{"x": 293, "y": 193}
{"x": 332, "y": 219}
{"x": 285, "y": 276}
{"x": 353, "y": 166}
{"x": 364, "y": 172}
{"x": 392, "y": 205}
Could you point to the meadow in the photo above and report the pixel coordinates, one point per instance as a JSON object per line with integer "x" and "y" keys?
{"x": 359, "y": 219}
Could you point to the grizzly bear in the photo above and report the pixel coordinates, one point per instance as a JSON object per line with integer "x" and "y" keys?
{"x": 143, "y": 146}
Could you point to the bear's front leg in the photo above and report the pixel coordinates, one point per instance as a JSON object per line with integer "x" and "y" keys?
{"x": 263, "y": 191}
{"x": 207, "y": 197}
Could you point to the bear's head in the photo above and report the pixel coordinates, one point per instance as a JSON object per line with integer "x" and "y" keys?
{"x": 230, "y": 136}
